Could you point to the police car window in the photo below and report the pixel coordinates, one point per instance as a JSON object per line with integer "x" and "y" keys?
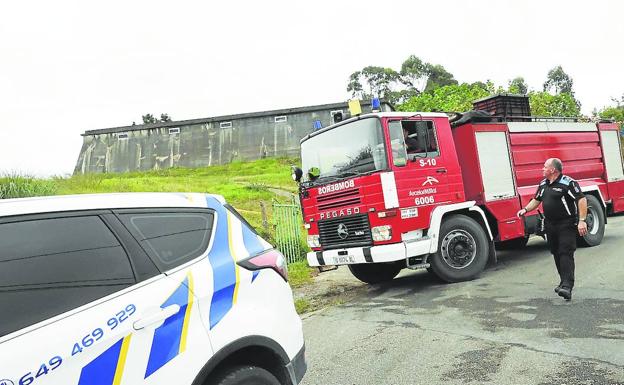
{"x": 60, "y": 250}
{"x": 171, "y": 239}
{"x": 50, "y": 266}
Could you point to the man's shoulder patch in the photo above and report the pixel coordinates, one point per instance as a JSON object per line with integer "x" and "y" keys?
{"x": 566, "y": 180}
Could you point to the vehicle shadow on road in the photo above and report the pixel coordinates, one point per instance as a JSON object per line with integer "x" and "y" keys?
{"x": 417, "y": 281}
{"x": 427, "y": 286}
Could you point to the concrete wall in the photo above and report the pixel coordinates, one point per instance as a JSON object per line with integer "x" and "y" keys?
{"x": 201, "y": 142}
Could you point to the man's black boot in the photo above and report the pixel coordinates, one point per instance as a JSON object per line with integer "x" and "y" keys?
{"x": 566, "y": 293}
{"x": 558, "y": 288}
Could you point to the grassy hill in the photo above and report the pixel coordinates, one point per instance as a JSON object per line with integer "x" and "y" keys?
{"x": 244, "y": 185}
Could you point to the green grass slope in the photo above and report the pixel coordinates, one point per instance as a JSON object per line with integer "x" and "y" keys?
{"x": 244, "y": 185}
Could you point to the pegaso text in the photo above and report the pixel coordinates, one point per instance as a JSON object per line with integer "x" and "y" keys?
{"x": 339, "y": 213}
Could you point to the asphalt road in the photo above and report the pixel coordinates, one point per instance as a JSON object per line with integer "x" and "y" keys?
{"x": 507, "y": 327}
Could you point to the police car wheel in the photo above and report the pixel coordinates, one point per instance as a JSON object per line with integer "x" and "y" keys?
{"x": 246, "y": 375}
{"x": 462, "y": 250}
{"x": 372, "y": 273}
{"x": 595, "y": 223}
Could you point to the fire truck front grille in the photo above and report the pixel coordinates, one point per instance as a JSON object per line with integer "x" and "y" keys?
{"x": 339, "y": 199}
{"x": 341, "y": 203}
{"x": 351, "y": 231}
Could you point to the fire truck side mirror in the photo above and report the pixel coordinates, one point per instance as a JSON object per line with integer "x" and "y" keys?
{"x": 297, "y": 173}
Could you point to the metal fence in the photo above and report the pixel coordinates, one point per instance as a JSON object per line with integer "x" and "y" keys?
{"x": 288, "y": 233}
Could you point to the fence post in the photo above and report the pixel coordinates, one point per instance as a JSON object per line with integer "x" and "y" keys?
{"x": 265, "y": 222}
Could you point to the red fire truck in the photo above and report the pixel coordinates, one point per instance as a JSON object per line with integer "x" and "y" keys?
{"x": 391, "y": 190}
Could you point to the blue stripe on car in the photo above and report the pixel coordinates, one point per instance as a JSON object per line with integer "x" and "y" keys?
{"x": 101, "y": 371}
{"x": 223, "y": 266}
{"x": 168, "y": 337}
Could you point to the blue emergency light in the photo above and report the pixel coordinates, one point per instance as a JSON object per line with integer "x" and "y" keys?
{"x": 375, "y": 105}
{"x": 317, "y": 125}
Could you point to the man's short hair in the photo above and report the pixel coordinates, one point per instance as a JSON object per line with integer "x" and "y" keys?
{"x": 556, "y": 163}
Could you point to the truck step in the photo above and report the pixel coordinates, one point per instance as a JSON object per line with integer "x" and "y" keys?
{"x": 417, "y": 263}
{"x": 325, "y": 268}
{"x": 419, "y": 266}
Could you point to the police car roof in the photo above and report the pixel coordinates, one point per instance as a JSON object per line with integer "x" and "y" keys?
{"x": 102, "y": 201}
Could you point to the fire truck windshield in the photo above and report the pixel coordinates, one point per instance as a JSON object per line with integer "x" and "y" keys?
{"x": 350, "y": 149}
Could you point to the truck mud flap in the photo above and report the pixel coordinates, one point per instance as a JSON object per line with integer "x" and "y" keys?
{"x": 492, "y": 258}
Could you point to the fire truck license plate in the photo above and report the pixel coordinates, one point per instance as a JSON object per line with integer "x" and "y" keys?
{"x": 344, "y": 259}
{"x": 409, "y": 213}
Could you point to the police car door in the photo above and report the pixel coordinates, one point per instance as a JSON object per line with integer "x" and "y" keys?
{"x": 89, "y": 307}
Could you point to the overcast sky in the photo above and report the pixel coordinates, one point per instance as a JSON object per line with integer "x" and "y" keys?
{"x": 71, "y": 66}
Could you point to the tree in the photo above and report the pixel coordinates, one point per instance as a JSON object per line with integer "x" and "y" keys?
{"x": 455, "y": 97}
{"x": 518, "y": 86}
{"x": 148, "y": 119}
{"x": 558, "y": 81}
{"x": 415, "y": 77}
{"x": 374, "y": 81}
{"x": 151, "y": 119}
{"x": 546, "y": 104}
{"x": 438, "y": 76}
{"x": 614, "y": 112}
{"x": 460, "y": 97}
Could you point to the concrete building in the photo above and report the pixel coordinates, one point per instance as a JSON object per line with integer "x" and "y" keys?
{"x": 204, "y": 142}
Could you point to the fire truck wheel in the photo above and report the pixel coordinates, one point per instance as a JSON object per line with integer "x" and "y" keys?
{"x": 375, "y": 272}
{"x": 512, "y": 244}
{"x": 595, "y": 223}
{"x": 462, "y": 250}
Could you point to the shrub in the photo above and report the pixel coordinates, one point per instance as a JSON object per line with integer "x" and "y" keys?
{"x": 20, "y": 186}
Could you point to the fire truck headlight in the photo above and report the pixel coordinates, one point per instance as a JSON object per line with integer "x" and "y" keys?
{"x": 313, "y": 241}
{"x": 382, "y": 233}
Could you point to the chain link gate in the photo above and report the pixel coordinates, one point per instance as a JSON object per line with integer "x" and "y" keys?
{"x": 287, "y": 222}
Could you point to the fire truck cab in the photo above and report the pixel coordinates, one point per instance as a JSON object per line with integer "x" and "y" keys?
{"x": 392, "y": 190}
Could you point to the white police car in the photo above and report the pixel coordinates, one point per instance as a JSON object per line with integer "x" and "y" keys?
{"x": 143, "y": 288}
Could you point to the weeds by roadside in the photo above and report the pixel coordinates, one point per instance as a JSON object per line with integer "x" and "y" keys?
{"x": 299, "y": 274}
{"x": 19, "y": 186}
{"x": 302, "y": 305}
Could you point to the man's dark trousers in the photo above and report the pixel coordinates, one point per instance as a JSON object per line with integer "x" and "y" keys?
{"x": 562, "y": 241}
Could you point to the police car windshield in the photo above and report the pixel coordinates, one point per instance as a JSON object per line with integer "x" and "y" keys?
{"x": 351, "y": 149}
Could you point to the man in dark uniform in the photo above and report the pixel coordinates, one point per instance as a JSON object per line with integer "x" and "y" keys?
{"x": 565, "y": 210}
